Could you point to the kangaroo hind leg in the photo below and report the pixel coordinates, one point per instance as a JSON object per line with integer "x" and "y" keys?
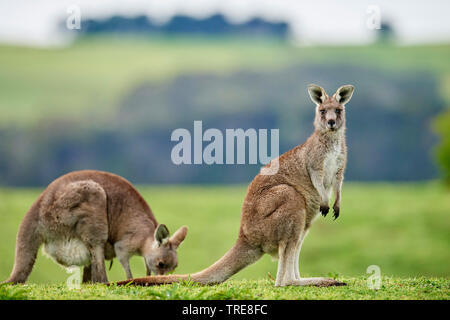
{"x": 87, "y": 274}
{"x": 286, "y": 263}
{"x": 92, "y": 224}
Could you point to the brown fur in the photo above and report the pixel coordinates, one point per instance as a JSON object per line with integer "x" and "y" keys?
{"x": 100, "y": 212}
{"x": 279, "y": 209}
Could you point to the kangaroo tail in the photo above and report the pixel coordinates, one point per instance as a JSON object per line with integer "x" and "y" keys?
{"x": 238, "y": 257}
{"x": 27, "y": 246}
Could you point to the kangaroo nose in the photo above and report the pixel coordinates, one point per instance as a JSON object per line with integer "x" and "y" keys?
{"x": 331, "y": 123}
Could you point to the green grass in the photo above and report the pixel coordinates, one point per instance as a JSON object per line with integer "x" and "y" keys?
{"x": 94, "y": 74}
{"x": 402, "y": 228}
{"x": 357, "y": 289}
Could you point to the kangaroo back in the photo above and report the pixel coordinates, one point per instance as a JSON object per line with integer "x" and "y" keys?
{"x": 238, "y": 257}
{"x": 28, "y": 243}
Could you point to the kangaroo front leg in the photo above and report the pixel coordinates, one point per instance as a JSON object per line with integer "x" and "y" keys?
{"x": 337, "y": 188}
{"x": 317, "y": 181}
{"x": 125, "y": 261}
{"x": 124, "y": 258}
{"x": 148, "y": 272}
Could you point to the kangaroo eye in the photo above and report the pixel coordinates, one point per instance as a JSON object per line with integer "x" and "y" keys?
{"x": 338, "y": 111}
{"x": 322, "y": 112}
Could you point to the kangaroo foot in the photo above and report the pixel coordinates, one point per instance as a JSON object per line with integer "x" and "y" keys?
{"x": 318, "y": 282}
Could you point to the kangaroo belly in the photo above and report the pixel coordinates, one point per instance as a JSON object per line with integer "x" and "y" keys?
{"x": 332, "y": 163}
{"x": 330, "y": 169}
{"x": 68, "y": 252}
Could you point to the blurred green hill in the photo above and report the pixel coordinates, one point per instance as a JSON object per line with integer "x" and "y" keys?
{"x": 95, "y": 72}
{"x": 110, "y": 103}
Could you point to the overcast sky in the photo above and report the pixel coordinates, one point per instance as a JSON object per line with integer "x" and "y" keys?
{"x": 34, "y": 22}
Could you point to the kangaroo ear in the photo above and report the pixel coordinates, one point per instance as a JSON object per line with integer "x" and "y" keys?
{"x": 344, "y": 94}
{"x": 317, "y": 94}
{"x": 178, "y": 236}
{"x": 162, "y": 234}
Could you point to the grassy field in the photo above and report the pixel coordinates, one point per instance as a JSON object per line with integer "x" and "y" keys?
{"x": 94, "y": 74}
{"x": 391, "y": 289}
{"x": 402, "y": 228}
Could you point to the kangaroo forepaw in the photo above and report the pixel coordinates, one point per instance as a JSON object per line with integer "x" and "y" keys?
{"x": 336, "y": 210}
{"x": 324, "y": 209}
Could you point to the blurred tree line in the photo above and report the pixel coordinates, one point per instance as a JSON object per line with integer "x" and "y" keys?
{"x": 389, "y": 126}
{"x": 213, "y": 25}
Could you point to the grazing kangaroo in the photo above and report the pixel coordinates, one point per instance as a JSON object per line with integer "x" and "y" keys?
{"x": 279, "y": 209}
{"x": 85, "y": 217}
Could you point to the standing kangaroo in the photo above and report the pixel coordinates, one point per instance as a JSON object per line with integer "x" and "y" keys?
{"x": 279, "y": 209}
{"x": 85, "y": 217}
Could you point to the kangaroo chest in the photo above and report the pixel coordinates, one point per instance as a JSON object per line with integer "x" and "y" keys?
{"x": 332, "y": 162}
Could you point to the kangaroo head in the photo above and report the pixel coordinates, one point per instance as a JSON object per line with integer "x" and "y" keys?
{"x": 160, "y": 251}
{"x": 330, "y": 112}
